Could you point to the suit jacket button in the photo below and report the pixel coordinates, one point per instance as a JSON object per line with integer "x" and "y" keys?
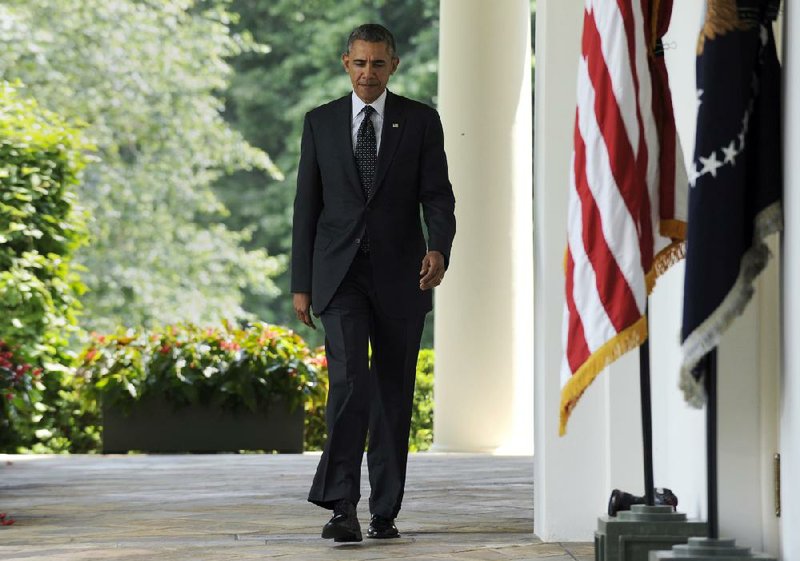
{"x": 358, "y": 241}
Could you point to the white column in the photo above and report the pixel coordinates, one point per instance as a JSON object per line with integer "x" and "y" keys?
{"x": 790, "y": 400}
{"x": 484, "y": 311}
{"x": 570, "y": 473}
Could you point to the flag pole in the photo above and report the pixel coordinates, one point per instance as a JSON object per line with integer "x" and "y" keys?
{"x": 647, "y": 416}
{"x": 710, "y": 372}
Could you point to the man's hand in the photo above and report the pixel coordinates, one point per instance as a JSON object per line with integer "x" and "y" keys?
{"x": 432, "y": 271}
{"x": 302, "y": 307}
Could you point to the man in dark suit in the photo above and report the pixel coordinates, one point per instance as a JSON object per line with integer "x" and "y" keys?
{"x": 369, "y": 161}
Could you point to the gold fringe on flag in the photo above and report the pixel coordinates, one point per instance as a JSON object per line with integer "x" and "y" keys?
{"x": 626, "y": 340}
{"x": 665, "y": 259}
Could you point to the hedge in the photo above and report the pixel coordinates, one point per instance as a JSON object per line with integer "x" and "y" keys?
{"x": 41, "y": 226}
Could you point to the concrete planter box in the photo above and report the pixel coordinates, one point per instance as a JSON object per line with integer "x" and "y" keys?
{"x": 153, "y": 425}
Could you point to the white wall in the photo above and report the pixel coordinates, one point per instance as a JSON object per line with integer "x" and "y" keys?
{"x": 602, "y": 450}
{"x": 679, "y": 431}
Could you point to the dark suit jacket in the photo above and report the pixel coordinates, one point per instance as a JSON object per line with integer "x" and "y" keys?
{"x": 331, "y": 212}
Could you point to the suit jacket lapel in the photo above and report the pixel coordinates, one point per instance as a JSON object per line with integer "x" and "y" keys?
{"x": 344, "y": 139}
{"x": 393, "y": 120}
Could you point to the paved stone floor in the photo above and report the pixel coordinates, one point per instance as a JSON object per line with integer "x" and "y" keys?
{"x": 241, "y": 507}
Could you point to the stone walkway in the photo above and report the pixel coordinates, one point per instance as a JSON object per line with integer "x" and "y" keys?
{"x": 241, "y": 507}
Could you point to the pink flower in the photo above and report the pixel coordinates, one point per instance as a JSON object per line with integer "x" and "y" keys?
{"x": 229, "y": 346}
{"x": 270, "y": 333}
{"x": 319, "y": 361}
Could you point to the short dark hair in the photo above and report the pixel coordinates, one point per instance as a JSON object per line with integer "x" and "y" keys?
{"x": 372, "y": 33}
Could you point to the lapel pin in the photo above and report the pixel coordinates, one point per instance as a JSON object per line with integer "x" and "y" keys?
{"x": 395, "y": 125}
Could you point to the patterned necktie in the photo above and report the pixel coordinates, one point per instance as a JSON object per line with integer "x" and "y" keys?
{"x": 366, "y": 151}
{"x": 366, "y": 159}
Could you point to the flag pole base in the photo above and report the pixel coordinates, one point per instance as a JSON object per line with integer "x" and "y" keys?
{"x": 708, "y": 549}
{"x": 634, "y": 533}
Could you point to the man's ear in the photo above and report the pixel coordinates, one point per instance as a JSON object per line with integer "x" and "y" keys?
{"x": 346, "y": 61}
{"x": 395, "y": 64}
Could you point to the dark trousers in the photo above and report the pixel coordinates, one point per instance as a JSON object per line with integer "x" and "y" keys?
{"x": 374, "y": 396}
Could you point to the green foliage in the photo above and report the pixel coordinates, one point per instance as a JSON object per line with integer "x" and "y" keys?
{"x": 271, "y": 90}
{"x": 40, "y": 411}
{"x": 144, "y": 77}
{"x": 41, "y": 226}
{"x": 21, "y": 387}
{"x": 421, "y": 436}
{"x": 228, "y": 367}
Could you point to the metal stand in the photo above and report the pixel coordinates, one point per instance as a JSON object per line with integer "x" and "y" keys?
{"x": 647, "y": 420}
{"x": 711, "y": 443}
{"x": 633, "y": 535}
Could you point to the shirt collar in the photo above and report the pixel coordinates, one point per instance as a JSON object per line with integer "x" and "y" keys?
{"x": 378, "y": 105}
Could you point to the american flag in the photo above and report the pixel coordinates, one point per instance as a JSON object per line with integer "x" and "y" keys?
{"x": 627, "y": 199}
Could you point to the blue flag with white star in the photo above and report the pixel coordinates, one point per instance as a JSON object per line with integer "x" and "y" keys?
{"x": 735, "y": 182}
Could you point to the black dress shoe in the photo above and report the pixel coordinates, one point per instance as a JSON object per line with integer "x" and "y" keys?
{"x": 382, "y": 528}
{"x": 343, "y": 526}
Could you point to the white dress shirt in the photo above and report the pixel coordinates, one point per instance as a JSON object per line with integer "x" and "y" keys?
{"x": 377, "y": 118}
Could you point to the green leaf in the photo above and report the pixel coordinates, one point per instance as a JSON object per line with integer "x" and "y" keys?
{"x": 43, "y": 434}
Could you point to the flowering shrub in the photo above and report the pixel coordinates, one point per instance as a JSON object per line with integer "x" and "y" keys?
{"x": 39, "y": 410}
{"x": 41, "y": 227}
{"x": 55, "y": 411}
{"x": 21, "y": 392}
{"x": 225, "y": 366}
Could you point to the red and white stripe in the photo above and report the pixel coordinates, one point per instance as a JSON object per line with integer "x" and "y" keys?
{"x": 614, "y": 218}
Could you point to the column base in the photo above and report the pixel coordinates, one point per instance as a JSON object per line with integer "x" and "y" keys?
{"x": 632, "y": 535}
{"x": 707, "y": 549}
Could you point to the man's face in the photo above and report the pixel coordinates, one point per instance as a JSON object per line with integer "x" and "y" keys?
{"x": 370, "y": 65}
